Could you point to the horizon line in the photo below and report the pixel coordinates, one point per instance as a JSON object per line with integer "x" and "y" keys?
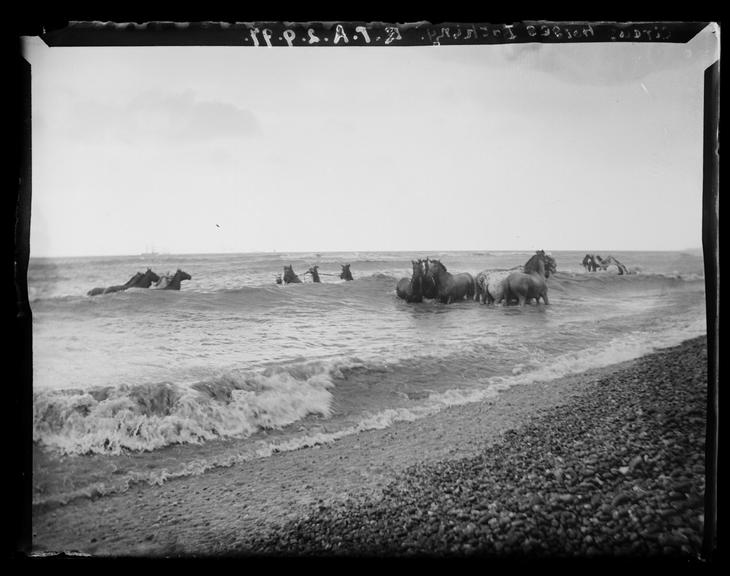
{"x": 272, "y": 252}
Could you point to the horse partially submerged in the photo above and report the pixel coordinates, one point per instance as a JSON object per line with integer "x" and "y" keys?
{"x": 532, "y": 283}
{"x": 139, "y": 280}
{"x": 592, "y": 262}
{"x": 290, "y": 276}
{"x": 411, "y": 289}
{"x": 428, "y": 283}
{"x": 346, "y": 274}
{"x": 589, "y": 263}
{"x": 314, "y": 271}
{"x": 610, "y": 260}
{"x": 173, "y": 282}
{"x": 449, "y": 287}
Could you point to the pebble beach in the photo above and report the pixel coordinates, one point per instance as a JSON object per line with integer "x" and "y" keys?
{"x": 610, "y": 462}
{"x": 619, "y": 471}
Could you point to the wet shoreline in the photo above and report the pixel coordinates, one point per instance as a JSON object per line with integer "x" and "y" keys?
{"x": 253, "y": 507}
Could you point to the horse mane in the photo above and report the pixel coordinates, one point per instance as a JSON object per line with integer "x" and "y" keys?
{"x": 548, "y": 262}
{"x": 440, "y": 265}
{"x": 531, "y": 264}
{"x": 134, "y": 278}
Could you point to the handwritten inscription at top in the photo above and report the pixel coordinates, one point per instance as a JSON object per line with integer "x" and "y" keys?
{"x": 345, "y": 34}
{"x": 311, "y": 36}
{"x": 408, "y": 35}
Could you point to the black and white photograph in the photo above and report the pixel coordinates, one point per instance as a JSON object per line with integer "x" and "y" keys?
{"x": 371, "y": 289}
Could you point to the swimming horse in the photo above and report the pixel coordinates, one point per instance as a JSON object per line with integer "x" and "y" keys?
{"x": 606, "y": 262}
{"x": 290, "y": 277}
{"x": 173, "y": 282}
{"x": 139, "y": 280}
{"x": 523, "y": 286}
{"x": 593, "y": 262}
{"x": 589, "y": 263}
{"x": 410, "y": 289}
{"x": 450, "y": 287}
{"x": 345, "y": 274}
{"x": 314, "y": 271}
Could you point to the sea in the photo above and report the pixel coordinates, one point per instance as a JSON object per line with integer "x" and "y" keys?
{"x": 143, "y": 386}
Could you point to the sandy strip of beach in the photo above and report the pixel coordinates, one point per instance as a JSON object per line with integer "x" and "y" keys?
{"x": 262, "y": 506}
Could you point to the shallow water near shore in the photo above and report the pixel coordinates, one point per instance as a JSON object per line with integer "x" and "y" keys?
{"x": 143, "y": 386}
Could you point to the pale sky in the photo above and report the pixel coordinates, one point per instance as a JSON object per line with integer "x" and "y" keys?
{"x": 239, "y": 149}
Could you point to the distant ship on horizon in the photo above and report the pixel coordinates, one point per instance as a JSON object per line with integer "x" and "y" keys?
{"x": 150, "y": 251}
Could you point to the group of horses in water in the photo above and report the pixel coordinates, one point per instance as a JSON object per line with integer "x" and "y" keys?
{"x": 146, "y": 280}
{"x": 431, "y": 280}
{"x": 290, "y": 277}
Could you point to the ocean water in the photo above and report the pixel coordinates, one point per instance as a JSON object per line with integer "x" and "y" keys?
{"x": 144, "y": 385}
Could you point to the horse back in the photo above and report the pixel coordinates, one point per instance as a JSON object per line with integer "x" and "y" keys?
{"x": 529, "y": 285}
{"x": 403, "y": 287}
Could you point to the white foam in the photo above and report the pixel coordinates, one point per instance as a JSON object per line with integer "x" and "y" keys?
{"x": 79, "y": 423}
{"x": 620, "y": 349}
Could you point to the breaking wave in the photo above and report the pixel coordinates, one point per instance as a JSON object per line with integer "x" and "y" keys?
{"x": 142, "y": 417}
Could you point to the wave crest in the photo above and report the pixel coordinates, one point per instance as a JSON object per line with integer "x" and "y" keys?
{"x": 150, "y": 416}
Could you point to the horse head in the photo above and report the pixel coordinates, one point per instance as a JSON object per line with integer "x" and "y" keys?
{"x": 290, "y": 276}
{"x": 150, "y": 275}
{"x": 435, "y": 266}
{"x": 345, "y": 274}
{"x": 417, "y": 274}
{"x": 551, "y": 266}
{"x": 434, "y": 270}
{"x": 314, "y": 271}
{"x": 182, "y": 275}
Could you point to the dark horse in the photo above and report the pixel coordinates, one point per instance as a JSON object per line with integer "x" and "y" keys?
{"x": 168, "y": 282}
{"x": 290, "y": 277}
{"x": 428, "y": 284}
{"x": 593, "y": 262}
{"x": 589, "y": 263}
{"x": 314, "y": 271}
{"x": 345, "y": 274}
{"x": 450, "y": 287}
{"x": 410, "y": 289}
{"x": 139, "y": 280}
{"x": 523, "y": 286}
